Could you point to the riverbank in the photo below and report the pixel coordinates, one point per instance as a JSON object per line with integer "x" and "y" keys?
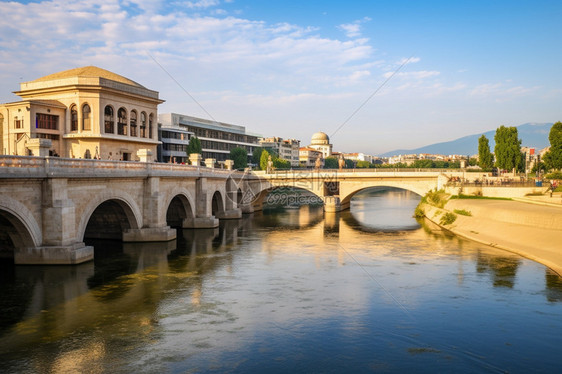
{"x": 530, "y": 227}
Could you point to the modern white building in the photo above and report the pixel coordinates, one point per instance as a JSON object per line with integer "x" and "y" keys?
{"x": 217, "y": 138}
{"x": 174, "y": 144}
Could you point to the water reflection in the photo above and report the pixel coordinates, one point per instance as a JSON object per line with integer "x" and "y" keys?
{"x": 287, "y": 290}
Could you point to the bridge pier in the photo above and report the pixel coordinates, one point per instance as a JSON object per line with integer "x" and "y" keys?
{"x": 149, "y": 234}
{"x": 333, "y": 204}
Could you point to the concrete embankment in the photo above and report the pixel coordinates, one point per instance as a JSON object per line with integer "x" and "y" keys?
{"x": 531, "y": 230}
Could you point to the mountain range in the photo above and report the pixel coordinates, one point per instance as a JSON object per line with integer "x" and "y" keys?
{"x": 534, "y": 135}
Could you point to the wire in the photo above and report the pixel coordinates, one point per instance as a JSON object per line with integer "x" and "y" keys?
{"x": 180, "y": 86}
{"x": 373, "y": 94}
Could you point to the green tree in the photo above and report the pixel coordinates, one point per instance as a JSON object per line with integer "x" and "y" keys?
{"x": 484, "y": 154}
{"x": 473, "y": 161}
{"x": 330, "y": 163}
{"x": 280, "y": 163}
{"x": 349, "y": 164}
{"x": 240, "y": 157}
{"x": 508, "y": 148}
{"x": 256, "y": 155}
{"x": 363, "y": 164}
{"x": 194, "y": 146}
{"x": 553, "y": 158}
{"x": 263, "y": 159}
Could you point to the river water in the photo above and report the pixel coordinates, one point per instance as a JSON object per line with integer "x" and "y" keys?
{"x": 288, "y": 290}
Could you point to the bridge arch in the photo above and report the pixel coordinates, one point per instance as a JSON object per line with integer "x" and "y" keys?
{"x": 348, "y": 193}
{"x": 179, "y": 207}
{"x": 18, "y": 225}
{"x": 116, "y": 204}
{"x": 217, "y": 204}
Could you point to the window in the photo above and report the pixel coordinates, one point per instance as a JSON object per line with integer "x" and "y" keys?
{"x": 133, "y": 123}
{"x": 122, "y": 121}
{"x": 143, "y": 125}
{"x": 46, "y": 121}
{"x": 18, "y": 123}
{"x": 150, "y": 126}
{"x": 86, "y": 125}
{"x": 109, "y": 122}
{"x": 73, "y": 118}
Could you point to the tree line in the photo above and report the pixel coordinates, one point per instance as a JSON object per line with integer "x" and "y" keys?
{"x": 507, "y": 151}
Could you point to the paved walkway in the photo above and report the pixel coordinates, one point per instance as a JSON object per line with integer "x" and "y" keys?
{"x": 528, "y": 228}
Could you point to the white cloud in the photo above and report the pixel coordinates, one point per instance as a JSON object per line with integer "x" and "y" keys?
{"x": 353, "y": 30}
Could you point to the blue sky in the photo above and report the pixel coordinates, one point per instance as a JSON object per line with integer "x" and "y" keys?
{"x": 291, "y": 68}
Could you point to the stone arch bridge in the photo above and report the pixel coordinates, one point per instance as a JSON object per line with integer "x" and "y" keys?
{"x": 48, "y": 206}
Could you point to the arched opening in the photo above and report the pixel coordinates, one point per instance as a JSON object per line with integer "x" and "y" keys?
{"x": 13, "y": 234}
{"x": 122, "y": 121}
{"x": 384, "y": 208}
{"x": 73, "y": 118}
{"x": 178, "y": 211}
{"x": 86, "y": 121}
{"x": 239, "y": 196}
{"x": 217, "y": 204}
{"x": 109, "y": 121}
{"x": 108, "y": 221}
{"x": 143, "y": 125}
{"x": 133, "y": 123}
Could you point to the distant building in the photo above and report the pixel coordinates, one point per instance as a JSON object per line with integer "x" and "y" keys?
{"x": 308, "y": 157}
{"x": 321, "y": 142}
{"x": 286, "y": 149}
{"x": 174, "y": 144}
{"x": 217, "y": 138}
{"x": 358, "y": 157}
{"x": 86, "y": 112}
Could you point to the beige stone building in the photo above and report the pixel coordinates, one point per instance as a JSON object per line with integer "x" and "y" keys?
{"x": 321, "y": 142}
{"x": 85, "y": 112}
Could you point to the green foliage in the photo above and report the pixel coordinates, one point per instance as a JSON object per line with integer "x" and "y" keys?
{"x": 194, "y": 146}
{"x": 435, "y": 198}
{"x": 473, "y": 161}
{"x": 330, "y": 163}
{"x": 463, "y": 212}
{"x": 479, "y": 197}
{"x": 508, "y": 148}
{"x": 553, "y": 158}
{"x": 280, "y": 163}
{"x": 256, "y": 155}
{"x": 538, "y": 166}
{"x": 349, "y": 164}
{"x": 419, "y": 212}
{"x": 484, "y": 155}
{"x": 363, "y": 164}
{"x": 448, "y": 218}
{"x": 555, "y": 175}
{"x": 263, "y": 159}
{"x": 240, "y": 157}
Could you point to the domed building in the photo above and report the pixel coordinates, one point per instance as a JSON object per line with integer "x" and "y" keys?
{"x": 87, "y": 112}
{"x": 321, "y": 142}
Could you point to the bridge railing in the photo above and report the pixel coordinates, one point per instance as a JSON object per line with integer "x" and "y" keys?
{"x": 41, "y": 167}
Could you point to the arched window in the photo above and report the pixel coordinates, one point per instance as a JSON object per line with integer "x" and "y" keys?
{"x": 73, "y": 118}
{"x": 122, "y": 121}
{"x": 133, "y": 123}
{"x": 150, "y": 120}
{"x": 86, "y": 123}
{"x": 109, "y": 121}
{"x": 143, "y": 125}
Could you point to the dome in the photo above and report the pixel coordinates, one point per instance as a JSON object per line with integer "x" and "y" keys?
{"x": 320, "y": 138}
{"x": 90, "y": 72}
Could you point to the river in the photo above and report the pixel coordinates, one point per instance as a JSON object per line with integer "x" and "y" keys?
{"x": 288, "y": 290}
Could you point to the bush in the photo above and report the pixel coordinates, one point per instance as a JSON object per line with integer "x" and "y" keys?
{"x": 448, "y": 218}
{"x": 555, "y": 175}
{"x": 435, "y": 198}
{"x": 463, "y": 212}
{"x": 419, "y": 213}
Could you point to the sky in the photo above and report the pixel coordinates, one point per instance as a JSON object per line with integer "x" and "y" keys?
{"x": 374, "y": 75}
